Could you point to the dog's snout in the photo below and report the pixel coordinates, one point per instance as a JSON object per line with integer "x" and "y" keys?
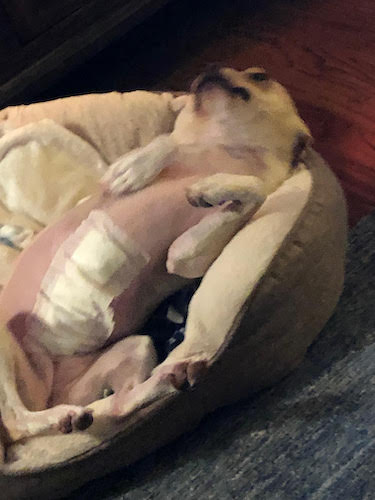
{"x": 215, "y": 78}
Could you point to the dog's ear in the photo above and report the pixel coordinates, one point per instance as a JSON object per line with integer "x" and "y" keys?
{"x": 301, "y": 142}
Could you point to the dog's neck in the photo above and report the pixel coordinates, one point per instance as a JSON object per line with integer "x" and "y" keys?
{"x": 209, "y": 134}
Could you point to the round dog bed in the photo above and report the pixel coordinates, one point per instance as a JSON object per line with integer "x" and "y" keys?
{"x": 257, "y": 309}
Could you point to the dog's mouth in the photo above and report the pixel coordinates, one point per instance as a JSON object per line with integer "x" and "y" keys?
{"x": 214, "y": 78}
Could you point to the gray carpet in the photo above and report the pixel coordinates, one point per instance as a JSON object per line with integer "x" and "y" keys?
{"x": 310, "y": 437}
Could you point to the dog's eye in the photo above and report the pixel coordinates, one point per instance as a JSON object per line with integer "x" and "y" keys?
{"x": 259, "y": 77}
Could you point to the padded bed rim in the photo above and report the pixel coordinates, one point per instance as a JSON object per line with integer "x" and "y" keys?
{"x": 176, "y": 414}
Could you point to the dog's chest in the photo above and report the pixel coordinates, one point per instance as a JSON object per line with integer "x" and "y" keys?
{"x": 201, "y": 162}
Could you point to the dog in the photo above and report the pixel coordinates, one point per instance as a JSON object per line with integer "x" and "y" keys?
{"x": 81, "y": 291}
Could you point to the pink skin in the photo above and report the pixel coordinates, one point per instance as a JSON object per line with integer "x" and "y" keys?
{"x": 154, "y": 217}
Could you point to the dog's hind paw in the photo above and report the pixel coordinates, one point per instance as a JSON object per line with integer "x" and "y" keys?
{"x": 184, "y": 374}
{"x": 80, "y": 420}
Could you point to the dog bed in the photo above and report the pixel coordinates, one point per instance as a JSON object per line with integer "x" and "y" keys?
{"x": 256, "y": 311}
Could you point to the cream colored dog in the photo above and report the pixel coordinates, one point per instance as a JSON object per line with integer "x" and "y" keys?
{"x": 82, "y": 290}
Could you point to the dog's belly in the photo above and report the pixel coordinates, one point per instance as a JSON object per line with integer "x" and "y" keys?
{"x": 152, "y": 218}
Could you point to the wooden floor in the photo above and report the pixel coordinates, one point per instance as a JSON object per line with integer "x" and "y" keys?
{"x": 322, "y": 50}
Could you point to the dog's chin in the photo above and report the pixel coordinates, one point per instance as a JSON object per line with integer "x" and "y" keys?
{"x": 202, "y": 97}
{"x": 204, "y": 88}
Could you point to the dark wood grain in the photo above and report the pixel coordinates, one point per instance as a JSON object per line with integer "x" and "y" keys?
{"x": 322, "y": 50}
{"x": 8, "y": 38}
{"x": 33, "y": 17}
{"x": 87, "y": 30}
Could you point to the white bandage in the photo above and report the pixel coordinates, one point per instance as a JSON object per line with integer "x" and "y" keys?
{"x": 92, "y": 267}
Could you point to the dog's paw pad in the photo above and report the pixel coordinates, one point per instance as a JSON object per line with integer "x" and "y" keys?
{"x": 196, "y": 371}
{"x": 83, "y": 421}
{"x": 74, "y": 420}
{"x": 65, "y": 425}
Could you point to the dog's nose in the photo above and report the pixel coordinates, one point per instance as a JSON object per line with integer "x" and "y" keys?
{"x": 242, "y": 92}
{"x": 211, "y": 77}
{"x": 215, "y": 78}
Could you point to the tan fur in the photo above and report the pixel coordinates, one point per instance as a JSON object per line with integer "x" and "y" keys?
{"x": 216, "y": 120}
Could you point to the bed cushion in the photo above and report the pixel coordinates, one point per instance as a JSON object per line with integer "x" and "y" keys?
{"x": 257, "y": 309}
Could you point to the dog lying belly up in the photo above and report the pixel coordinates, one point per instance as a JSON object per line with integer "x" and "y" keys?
{"x": 166, "y": 212}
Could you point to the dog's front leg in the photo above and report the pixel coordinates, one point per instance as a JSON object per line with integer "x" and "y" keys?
{"x": 192, "y": 253}
{"x": 139, "y": 167}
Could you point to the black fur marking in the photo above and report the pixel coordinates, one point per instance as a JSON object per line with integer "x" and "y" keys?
{"x": 215, "y": 78}
{"x": 242, "y": 92}
{"x": 299, "y": 148}
{"x": 259, "y": 76}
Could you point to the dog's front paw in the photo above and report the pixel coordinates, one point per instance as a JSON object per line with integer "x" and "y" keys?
{"x": 216, "y": 190}
{"x": 128, "y": 174}
{"x": 129, "y": 181}
{"x": 139, "y": 167}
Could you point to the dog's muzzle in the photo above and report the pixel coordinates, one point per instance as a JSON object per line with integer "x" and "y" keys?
{"x": 215, "y": 78}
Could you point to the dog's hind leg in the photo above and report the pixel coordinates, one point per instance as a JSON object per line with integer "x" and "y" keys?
{"x": 117, "y": 381}
{"x": 114, "y": 369}
{"x": 18, "y": 420}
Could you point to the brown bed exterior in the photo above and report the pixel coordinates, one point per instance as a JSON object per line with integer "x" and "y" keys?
{"x": 281, "y": 318}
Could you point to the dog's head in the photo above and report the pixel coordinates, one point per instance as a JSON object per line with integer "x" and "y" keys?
{"x": 242, "y": 109}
